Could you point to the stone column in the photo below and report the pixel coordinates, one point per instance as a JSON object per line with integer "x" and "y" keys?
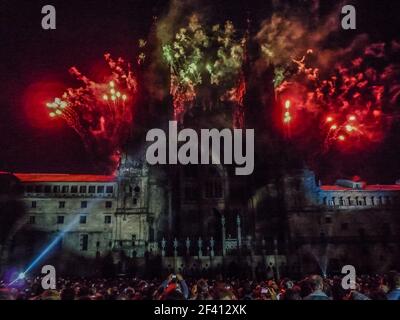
{"x": 175, "y": 244}
{"x": 163, "y": 244}
{"x": 239, "y": 232}
{"x": 170, "y": 216}
{"x": 212, "y": 254}
{"x": 188, "y": 246}
{"x": 276, "y": 258}
{"x": 200, "y": 244}
{"x": 251, "y": 248}
{"x": 263, "y": 244}
{"x": 223, "y": 235}
{"x": 212, "y": 243}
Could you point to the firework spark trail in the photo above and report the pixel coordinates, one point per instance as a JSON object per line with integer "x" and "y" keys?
{"x": 349, "y": 94}
{"x": 184, "y": 57}
{"x": 352, "y": 103}
{"x": 198, "y": 55}
{"x": 101, "y": 113}
{"x": 227, "y": 70}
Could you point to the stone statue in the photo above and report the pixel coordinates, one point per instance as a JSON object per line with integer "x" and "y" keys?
{"x": 212, "y": 243}
{"x": 163, "y": 244}
{"x": 200, "y": 244}
{"x": 187, "y": 245}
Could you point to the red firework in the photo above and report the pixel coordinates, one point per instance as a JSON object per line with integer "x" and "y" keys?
{"x": 352, "y": 107}
{"x": 101, "y": 113}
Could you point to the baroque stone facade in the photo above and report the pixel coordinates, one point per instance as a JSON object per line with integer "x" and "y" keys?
{"x": 193, "y": 215}
{"x": 351, "y": 222}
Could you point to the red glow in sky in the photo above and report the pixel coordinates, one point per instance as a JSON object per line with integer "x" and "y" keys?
{"x": 35, "y": 97}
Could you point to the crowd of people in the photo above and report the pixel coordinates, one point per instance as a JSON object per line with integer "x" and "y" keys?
{"x": 175, "y": 287}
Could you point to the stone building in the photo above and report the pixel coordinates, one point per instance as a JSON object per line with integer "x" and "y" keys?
{"x": 351, "y": 222}
{"x": 82, "y": 205}
{"x": 206, "y": 217}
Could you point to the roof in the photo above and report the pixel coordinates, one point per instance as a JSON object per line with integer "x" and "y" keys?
{"x": 376, "y": 187}
{"x": 59, "y": 177}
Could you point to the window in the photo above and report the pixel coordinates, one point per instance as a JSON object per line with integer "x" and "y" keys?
{"x": 344, "y": 226}
{"x": 29, "y": 189}
{"x": 84, "y": 240}
{"x": 74, "y": 189}
{"x": 83, "y": 204}
{"x": 82, "y": 189}
{"x": 135, "y": 201}
{"x": 107, "y": 219}
{"x": 137, "y": 189}
{"x": 108, "y": 204}
{"x": 60, "y": 219}
{"x": 328, "y": 220}
{"x": 65, "y": 189}
{"x": 109, "y": 189}
{"x": 32, "y": 220}
{"x": 38, "y": 189}
{"x": 100, "y": 189}
{"x": 82, "y": 219}
{"x": 33, "y": 204}
{"x": 47, "y": 189}
{"x": 92, "y": 189}
{"x": 61, "y": 204}
{"x": 56, "y": 189}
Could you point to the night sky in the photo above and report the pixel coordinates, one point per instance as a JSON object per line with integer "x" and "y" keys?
{"x": 34, "y": 68}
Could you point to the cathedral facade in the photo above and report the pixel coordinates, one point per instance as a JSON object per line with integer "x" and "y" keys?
{"x": 188, "y": 216}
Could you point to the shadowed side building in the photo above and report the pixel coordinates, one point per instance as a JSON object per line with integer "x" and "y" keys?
{"x": 350, "y": 222}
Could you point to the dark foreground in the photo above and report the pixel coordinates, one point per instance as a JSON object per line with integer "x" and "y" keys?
{"x": 370, "y": 287}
